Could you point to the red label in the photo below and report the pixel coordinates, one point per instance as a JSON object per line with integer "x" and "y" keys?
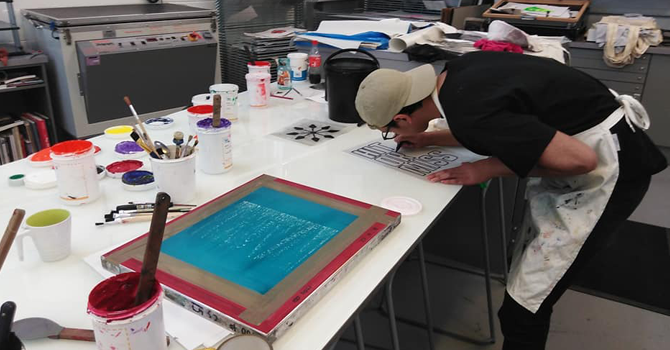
{"x": 314, "y": 61}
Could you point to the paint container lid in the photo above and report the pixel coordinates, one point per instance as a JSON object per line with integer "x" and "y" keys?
{"x": 16, "y": 180}
{"x": 201, "y": 109}
{"x": 129, "y": 150}
{"x": 117, "y": 169}
{"x": 138, "y": 180}
{"x": 41, "y": 158}
{"x": 159, "y": 123}
{"x": 119, "y": 132}
{"x": 71, "y": 148}
{"x": 206, "y": 124}
{"x": 40, "y": 180}
{"x": 245, "y": 342}
{"x": 101, "y": 171}
{"x": 404, "y": 205}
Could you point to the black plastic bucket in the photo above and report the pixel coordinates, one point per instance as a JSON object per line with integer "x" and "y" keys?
{"x": 343, "y": 77}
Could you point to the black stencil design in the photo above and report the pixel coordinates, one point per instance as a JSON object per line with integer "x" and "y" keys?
{"x": 313, "y": 132}
{"x": 421, "y": 165}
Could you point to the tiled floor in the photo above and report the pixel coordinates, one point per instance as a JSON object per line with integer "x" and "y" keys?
{"x": 580, "y": 321}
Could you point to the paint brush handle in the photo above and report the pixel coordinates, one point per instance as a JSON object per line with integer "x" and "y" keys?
{"x": 10, "y": 234}
{"x": 153, "y": 248}
{"x": 216, "y": 117}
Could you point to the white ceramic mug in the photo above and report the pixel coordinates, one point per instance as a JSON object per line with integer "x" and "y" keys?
{"x": 50, "y": 230}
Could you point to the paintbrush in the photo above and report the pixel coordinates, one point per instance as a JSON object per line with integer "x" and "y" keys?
{"x": 145, "y": 134}
{"x": 10, "y": 234}
{"x": 138, "y": 218}
{"x": 193, "y": 147}
{"x": 136, "y": 137}
{"x": 216, "y": 116}
{"x": 185, "y": 148}
{"x": 153, "y": 249}
{"x": 178, "y": 140}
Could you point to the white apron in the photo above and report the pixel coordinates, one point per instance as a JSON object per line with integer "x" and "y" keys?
{"x": 562, "y": 212}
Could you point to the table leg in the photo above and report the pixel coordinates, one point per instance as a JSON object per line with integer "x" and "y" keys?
{"x": 487, "y": 264}
{"x": 391, "y": 310}
{"x": 503, "y": 229}
{"x": 360, "y": 342}
{"x": 426, "y": 297}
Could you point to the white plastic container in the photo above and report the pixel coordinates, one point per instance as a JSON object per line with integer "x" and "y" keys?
{"x": 214, "y": 147}
{"x": 258, "y": 88}
{"x": 198, "y": 113}
{"x": 228, "y": 94}
{"x": 175, "y": 177}
{"x": 76, "y": 174}
{"x": 135, "y": 328}
{"x": 259, "y": 67}
{"x": 202, "y": 99}
{"x": 298, "y": 63}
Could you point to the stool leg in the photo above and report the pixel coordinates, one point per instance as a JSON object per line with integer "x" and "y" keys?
{"x": 487, "y": 264}
{"x": 358, "y": 330}
{"x": 426, "y": 297}
{"x": 391, "y": 311}
{"x": 503, "y": 229}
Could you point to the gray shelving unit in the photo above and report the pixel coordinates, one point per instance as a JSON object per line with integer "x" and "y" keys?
{"x": 31, "y": 98}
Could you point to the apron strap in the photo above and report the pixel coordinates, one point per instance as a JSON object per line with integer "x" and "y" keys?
{"x": 442, "y": 123}
{"x": 634, "y": 112}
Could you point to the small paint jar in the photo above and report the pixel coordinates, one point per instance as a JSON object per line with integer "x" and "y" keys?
{"x": 215, "y": 146}
{"x": 258, "y": 88}
{"x": 118, "y": 324}
{"x": 198, "y": 113}
{"x": 176, "y": 177}
{"x": 298, "y": 63}
{"x": 76, "y": 173}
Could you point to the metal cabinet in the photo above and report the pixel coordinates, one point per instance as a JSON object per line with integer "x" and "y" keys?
{"x": 647, "y": 80}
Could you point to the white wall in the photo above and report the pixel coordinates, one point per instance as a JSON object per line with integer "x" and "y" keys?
{"x": 5, "y": 37}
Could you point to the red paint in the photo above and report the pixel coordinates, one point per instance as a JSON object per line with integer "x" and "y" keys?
{"x": 42, "y": 156}
{"x": 201, "y": 109}
{"x": 70, "y": 148}
{"x": 97, "y": 149}
{"x": 326, "y": 194}
{"x": 273, "y": 320}
{"x": 259, "y": 63}
{"x": 199, "y": 294}
{"x": 114, "y": 298}
{"x": 124, "y": 166}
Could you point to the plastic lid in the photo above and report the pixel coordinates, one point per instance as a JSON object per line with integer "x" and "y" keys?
{"x": 201, "y": 109}
{"x": 404, "y": 205}
{"x": 42, "y": 156}
{"x": 259, "y": 63}
{"x": 315, "y": 42}
{"x": 207, "y": 123}
{"x": 71, "y": 148}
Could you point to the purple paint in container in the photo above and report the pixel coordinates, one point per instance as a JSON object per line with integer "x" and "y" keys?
{"x": 128, "y": 150}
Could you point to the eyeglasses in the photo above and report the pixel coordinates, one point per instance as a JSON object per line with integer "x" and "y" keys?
{"x": 388, "y": 134}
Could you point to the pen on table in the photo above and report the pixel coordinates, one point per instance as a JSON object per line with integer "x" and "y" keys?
{"x": 149, "y": 211}
{"x": 133, "y": 206}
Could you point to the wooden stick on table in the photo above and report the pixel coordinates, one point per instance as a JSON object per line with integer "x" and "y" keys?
{"x": 153, "y": 248}
{"x": 10, "y": 234}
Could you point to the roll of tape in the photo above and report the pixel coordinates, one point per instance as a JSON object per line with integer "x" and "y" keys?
{"x": 16, "y": 180}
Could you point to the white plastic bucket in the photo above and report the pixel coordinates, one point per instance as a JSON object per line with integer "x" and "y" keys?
{"x": 175, "y": 177}
{"x": 228, "y": 94}
{"x": 202, "y": 99}
{"x": 298, "y": 63}
{"x": 214, "y": 147}
{"x": 198, "y": 113}
{"x": 76, "y": 174}
{"x": 258, "y": 67}
{"x": 134, "y": 328}
{"x": 258, "y": 88}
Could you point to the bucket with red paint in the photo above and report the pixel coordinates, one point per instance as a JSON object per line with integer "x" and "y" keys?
{"x": 119, "y": 324}
{"x": 76, "y": 174}
{"x": 198, "y": 113}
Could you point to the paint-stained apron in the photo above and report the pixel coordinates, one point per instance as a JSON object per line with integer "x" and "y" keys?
{"x": 562, "y": 212}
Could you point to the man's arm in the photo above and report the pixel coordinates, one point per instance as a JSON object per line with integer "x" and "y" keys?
{"x": 563, "y": 156}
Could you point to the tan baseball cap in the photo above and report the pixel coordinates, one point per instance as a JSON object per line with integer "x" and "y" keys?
{"x": 384, "y": 92}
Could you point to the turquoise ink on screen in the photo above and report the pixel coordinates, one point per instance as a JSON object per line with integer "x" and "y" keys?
{"x": 258, "y": 240}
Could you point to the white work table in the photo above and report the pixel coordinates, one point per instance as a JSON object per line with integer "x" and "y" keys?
{"x": 59, "y": 290}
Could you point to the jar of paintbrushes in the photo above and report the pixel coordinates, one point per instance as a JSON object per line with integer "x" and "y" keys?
{"x": 174, "y": 170}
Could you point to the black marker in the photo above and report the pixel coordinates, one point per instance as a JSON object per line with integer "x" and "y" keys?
{"x": 397, "y": 147}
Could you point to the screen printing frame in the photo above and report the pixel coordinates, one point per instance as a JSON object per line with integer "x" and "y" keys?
{"x": 243, "y": 310}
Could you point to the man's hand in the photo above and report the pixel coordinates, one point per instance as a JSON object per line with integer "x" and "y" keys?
{"x": 419, "y": 140}
{"x": 465, "y": 174}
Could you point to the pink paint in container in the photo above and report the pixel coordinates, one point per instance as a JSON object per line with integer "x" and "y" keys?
{"x": 120, "y": 325}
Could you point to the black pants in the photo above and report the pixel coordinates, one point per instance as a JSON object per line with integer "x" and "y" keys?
{"x": 524, "y": 330}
